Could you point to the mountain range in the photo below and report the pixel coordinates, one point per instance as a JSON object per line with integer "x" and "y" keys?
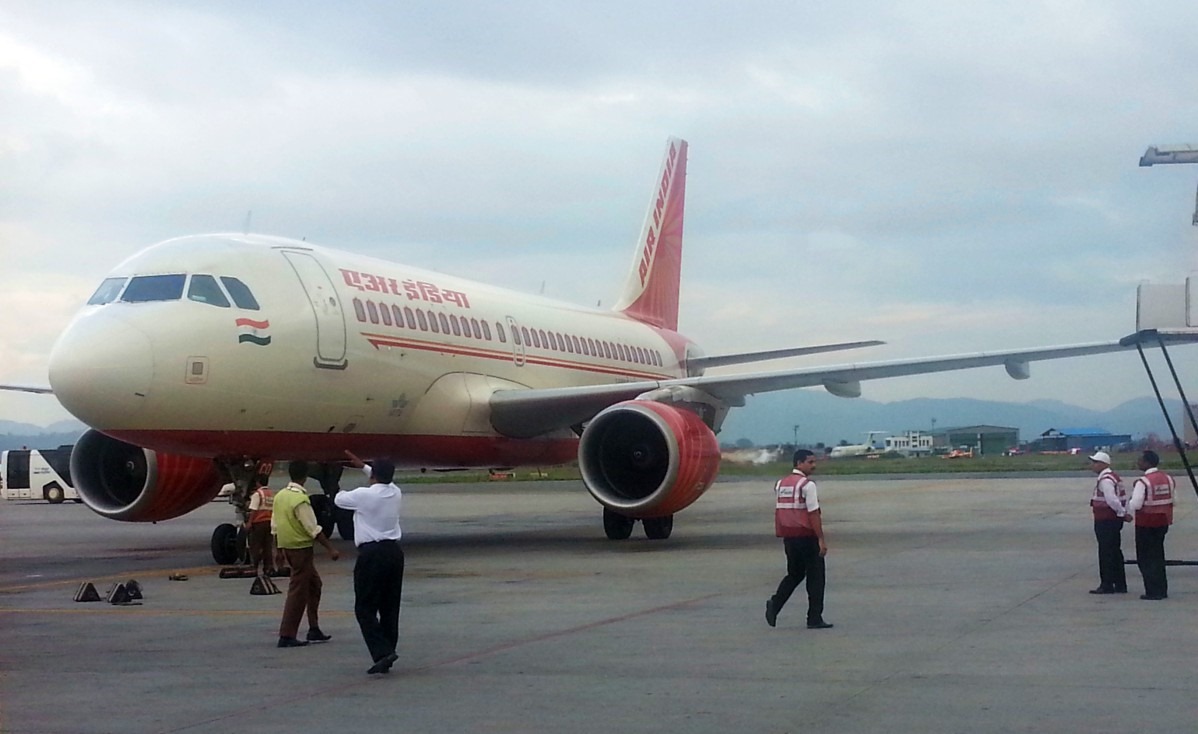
{"x": 824, "y": 418}
{"x": 821, "y": 417}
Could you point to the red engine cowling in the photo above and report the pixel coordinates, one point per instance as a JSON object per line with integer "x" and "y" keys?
{"x": 125, "y": 482}
{"x": 646, "y": 459}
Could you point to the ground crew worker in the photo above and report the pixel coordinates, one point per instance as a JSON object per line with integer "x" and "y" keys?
{"x": 798, "y": 521}
{"x": 294, "y": 526}
{"x": 378, "y": 574}
{"x": 1109, "y": 515}
{"x": 257, "y": 527}
{"x": 1152, "y": 502}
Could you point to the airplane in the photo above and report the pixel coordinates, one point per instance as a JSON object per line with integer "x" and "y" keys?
{"x": 206, "y": 355}
{"x": 857, "y": 449}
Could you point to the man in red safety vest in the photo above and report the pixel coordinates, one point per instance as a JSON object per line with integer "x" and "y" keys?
{"x": 1106, "y": 502}
{"x": 257, "y": 527}
{"x": 1152, "y": 502}
{"x": 798, "y": 522}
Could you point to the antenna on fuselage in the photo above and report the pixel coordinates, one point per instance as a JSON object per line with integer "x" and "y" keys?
{"x": 245, "y": 227}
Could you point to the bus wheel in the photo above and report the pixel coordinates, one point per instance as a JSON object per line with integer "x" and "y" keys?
{"x": 224, "y": 544}
{"x": 54, "y": 494}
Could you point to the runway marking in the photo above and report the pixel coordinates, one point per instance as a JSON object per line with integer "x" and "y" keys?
{"x": 282, "y": 702}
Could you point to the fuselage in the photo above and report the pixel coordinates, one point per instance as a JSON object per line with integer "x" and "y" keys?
{"x": 244, "y": 345}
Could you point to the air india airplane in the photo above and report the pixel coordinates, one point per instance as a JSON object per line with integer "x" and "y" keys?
{"x": 200, "y": 357}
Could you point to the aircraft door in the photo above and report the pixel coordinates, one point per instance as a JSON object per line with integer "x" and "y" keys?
{"x": 326, "y": 307}
{"x": 517, "y": 342}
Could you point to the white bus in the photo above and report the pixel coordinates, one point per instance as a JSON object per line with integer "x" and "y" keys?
{"x": 30, "y": 474}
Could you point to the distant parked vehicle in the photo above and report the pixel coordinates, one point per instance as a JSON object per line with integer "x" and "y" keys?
{"x": 31, "y": 474}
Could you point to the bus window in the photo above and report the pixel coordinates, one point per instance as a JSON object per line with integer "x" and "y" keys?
{"x": 145, "y": 288}
{"x": 240, "y": 293}
{"x": 203, "y": 288}
{"x": 107, "y": 292}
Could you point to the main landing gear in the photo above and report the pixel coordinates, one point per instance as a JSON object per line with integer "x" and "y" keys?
{"x": 619, "y": 527}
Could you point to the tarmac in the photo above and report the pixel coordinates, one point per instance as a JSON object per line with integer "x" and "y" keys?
{"x": 959, "y": 604}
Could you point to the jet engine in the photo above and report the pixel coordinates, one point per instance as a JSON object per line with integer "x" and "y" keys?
{"x": 125, "y": 482}
{"x": 645, "y": 459}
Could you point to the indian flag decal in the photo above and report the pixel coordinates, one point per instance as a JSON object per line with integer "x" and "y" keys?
{"x": 253, "y": 332}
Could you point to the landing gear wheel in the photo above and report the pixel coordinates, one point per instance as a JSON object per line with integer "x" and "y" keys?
{"x": 323, "y": 509}
{"x": 345, "y": 523}
{"x": 617, "y": 526}
{"x": 224, "y": 544}
{"x": 658, "y": 528}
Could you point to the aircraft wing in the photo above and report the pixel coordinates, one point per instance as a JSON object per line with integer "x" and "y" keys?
{"x": 527, "y": 413}
{"x": 28, "y": 388}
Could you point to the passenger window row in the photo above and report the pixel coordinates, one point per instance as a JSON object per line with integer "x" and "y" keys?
{"x": 441, "y": 323}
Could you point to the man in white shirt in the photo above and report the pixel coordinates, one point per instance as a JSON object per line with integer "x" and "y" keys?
{"x": 378, "y": 573}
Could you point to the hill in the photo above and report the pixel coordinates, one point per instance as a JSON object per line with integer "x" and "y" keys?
{"x": 821, "y": 417}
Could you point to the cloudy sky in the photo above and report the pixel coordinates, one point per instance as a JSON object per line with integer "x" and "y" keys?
{"x": 949, "y": 177}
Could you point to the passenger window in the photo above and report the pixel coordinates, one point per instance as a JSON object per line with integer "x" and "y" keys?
{"x": 359, "y": 309}
{"x": 107, "y": 292}
{"x": 372, "y": 311}
{"x": 398, "y": 316}
{"x": 453, "y": 324}
{"x": 501, "y": 333}
{"x": 444, "y": 323}
{"x": 385, "y": 314}
{"x": 423, "y": 321}
{"x": 486, "y": 330}
{"x": 240, "y": 293}
{"x": 203, "y": 288}
{"x": 478, "y": 332}
{"x": 145, "y": 288}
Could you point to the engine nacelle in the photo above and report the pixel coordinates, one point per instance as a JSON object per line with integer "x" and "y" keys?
{"x": 646, "y": 459}
{"x": 125, "y": 482}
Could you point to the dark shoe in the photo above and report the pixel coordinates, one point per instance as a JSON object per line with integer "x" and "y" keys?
{"x": 1102, "y": 590}
{"x": 291, "y": 642}
{"x": 1146, "y": 597}
{"x": 383, "y": 664}
{"x": 1121, "y": 590}
{"x": 820, "y": 625}
{"x": 771, "y": 614}
{"x": 315, "y": 635}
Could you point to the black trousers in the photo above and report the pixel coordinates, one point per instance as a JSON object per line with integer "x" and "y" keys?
{"x": 1111, "y": 573}
{"x": 1150, "y": 557}
{"x": 378, "y": 585}
{"x": 803, "y": 561}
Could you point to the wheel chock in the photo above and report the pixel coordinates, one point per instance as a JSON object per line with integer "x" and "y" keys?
{"x": 134, "y": 589}
{"x": 87, "y": 592}
{"x": 177, "y": 577}
{"x": 119, "y": 595}
{"x": 263, "y": 586}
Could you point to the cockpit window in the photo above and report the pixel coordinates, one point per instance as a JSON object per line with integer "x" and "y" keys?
{"x": 144, "y": 288}
{"x": 107, "y": 292}
{"x": 240, "y": 293}
{"x": 204, "y": 289}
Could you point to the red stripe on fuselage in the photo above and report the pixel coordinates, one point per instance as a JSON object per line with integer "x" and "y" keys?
{"x": 378, "y": 340}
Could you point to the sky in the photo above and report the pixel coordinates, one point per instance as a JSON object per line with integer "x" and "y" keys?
{"x": 948, "y": 177}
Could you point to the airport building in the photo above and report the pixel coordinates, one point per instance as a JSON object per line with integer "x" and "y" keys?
{"x": 1078, "y": 439}
{"x": 984, "y": 440}
{"x": 911, "y": 443}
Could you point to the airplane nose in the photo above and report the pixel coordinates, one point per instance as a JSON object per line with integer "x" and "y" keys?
{"x": 101, "y": 369}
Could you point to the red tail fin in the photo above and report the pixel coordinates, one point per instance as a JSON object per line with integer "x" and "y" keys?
{"x": 651, "y": 292}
